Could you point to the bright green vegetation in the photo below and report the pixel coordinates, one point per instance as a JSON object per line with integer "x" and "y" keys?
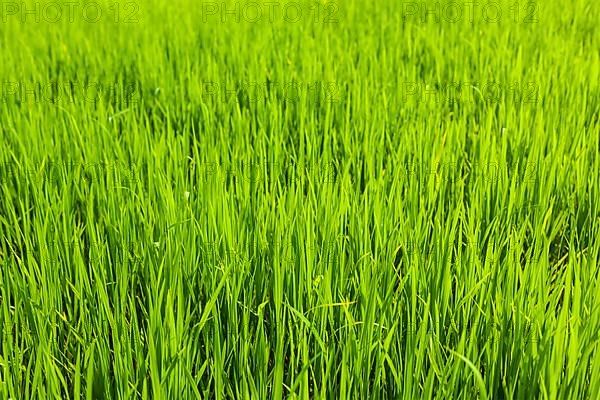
{"x": 168, "y": 231}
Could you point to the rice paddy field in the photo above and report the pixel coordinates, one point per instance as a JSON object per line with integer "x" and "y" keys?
{"x": 299, "y": 200}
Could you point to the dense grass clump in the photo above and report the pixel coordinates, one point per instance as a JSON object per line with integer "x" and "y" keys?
{"x": 329, "y": 200}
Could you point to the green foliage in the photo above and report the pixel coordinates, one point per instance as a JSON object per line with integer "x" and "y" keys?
{"x": 366, "y": 200}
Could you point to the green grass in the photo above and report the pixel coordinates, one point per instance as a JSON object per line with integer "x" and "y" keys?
{"x": 366, "y": 203}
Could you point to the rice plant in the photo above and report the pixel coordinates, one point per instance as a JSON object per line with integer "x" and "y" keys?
{"x": 299, "y": 200}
